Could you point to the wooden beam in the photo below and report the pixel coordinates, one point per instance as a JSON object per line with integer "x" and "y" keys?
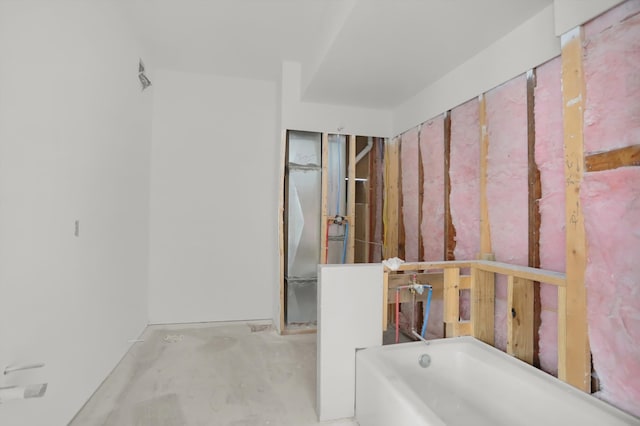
{"x": 373, "y": 201}
{"x": 430, "y": 266}
{"x": 526, "y": 272}
{"x": 535, "y": 188}
{"x": 435, "y": 279}
{"x": 351, "y": 200}
{"x": 485, "y": 228}
{"x": 520, "y": 318}
{"x": 391, "y": 193}
{"x": 482, "y": 305}
{"x": 574, "y": 363}
{"x": 324, "y": 194}
{"x": 465, "y": 282}
{"x": 281, "y": 227}
{"x": 621, "y": 157}
{"x": 535, "y": 193}
{"x": 464, "y": 328}
{"x": 420, "y": 197}
{"x": 449, "y": 229}
{"x": 451, "y": 301}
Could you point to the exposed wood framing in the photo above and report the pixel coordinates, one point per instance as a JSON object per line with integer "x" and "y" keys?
{"x": 451, "y": 301}
{"x": 535, "y": 193}
{"x": 533, "y": 274}
{"x": 435, "y": 279}
{"x": 520, "y": 318}
{"x": 526, "y": 272}
{"x": 351, "y": 200}
{"x": 464, "y": 328}
{"x": 420, "y": 197}
{"x": 281, "y": 230}
{"x": 324, "y": 194}
{"x": 449, "y": 229}
{"x": 401, "y": 230}
{"x": 621, "y": 157}
{"x": 465, "y": 282}
{"x": 482, "y": 305}
{"x": 391, "y": 200}
{"x": 373, "y": 200}
{"x": 535, "y": 188}
{"x": 574, "y": 366}
{"x": 482, "y": 286}
{"x": 485, "y": 228}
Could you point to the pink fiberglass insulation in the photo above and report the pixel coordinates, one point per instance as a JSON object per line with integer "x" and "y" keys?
{"x": 611, "y": 207}
{"x": 507, "y": 185}
{"x": 612, "y": 74}
{"x": 611, "y": 204}
{"x": 464, "y": 172}
{"x": 549, "y": 155}
{"x": 432, "y": 227}
{"x": 410, "y": 192}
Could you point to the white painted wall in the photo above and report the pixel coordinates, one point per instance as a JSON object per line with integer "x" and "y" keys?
{"x": 531, "y": 44}
{"x": 75, "y": 134}
{"x": 571, "y": 13}
{"x": 314, "y": 117}
{"x": 214, "y": 195}
{"x": 349, "y": 318}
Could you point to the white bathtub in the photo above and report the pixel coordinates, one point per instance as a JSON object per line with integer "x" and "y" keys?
{"x": 467, "y": 383}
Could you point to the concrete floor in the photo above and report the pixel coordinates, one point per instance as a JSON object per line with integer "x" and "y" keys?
{"x": 210, "y": 374}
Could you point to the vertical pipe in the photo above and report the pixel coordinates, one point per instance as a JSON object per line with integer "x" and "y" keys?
{"x": 344, "y": 242}
{"x": 426, "y": 312}
{"x": 397, "y": 315}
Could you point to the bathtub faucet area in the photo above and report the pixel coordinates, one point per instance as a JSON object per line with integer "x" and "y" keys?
{"x": 414, "y": 288}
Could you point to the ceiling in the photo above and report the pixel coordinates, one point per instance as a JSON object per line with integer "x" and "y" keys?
{"x": 369, "y": 53}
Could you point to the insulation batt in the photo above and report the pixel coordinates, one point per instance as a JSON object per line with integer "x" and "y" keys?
{"x": 507, "y": 186}
{"x": 612, "y": 74}
{"x": 549, "y": 156}
{"x": 611, "y": 207}
{"x": 410, "y": 192}
{"x": 611, "y": 203}
{"x": 432, "y": 227}
{"x": 464, "y": 172}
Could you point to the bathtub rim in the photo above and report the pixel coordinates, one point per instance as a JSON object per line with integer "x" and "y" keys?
{"x": 369, "y": 355}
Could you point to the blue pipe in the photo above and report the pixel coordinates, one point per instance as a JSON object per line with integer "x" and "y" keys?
{"x": 426, "y": 312}
{"x": 344, "y": 243}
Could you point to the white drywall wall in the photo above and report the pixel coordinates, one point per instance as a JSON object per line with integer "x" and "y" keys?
{"x": 314, "y": 117}
{"x": 571, "y": 13}
{"x": 214, "y": 195}
{"x": 349, "y": 318}
{"x": 75, "y": 134}
{"x": 531, "y": 44}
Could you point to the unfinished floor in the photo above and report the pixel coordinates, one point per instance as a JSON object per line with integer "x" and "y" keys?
{"x": 210, "y": 374}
